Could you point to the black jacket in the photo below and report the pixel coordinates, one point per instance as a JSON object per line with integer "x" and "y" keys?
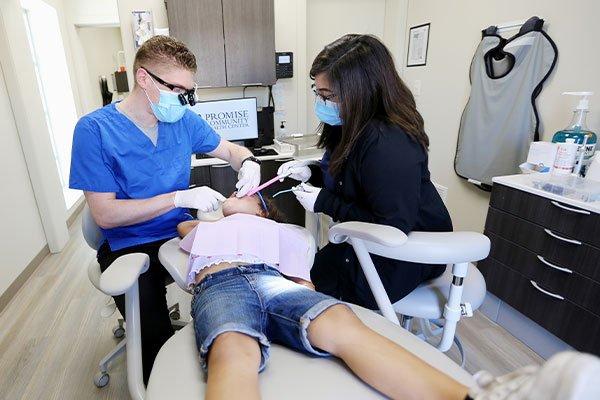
{"x": 385, "y": 180}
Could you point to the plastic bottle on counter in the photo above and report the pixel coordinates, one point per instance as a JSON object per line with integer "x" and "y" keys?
{"x": 578, "y": 130}
{"x": 566, "y": 156}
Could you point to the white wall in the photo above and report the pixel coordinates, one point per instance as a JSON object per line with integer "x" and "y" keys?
{"x": 93, "y": 12}
{"x": 455, "y": 33}
{"x": 24, "y": 95}
{"x": 327, "y": 20}
{"x": 100, "y": 46}
{"x": 22, "y": 235}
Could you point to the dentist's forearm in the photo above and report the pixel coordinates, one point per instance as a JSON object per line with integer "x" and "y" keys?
{"x": 239, "y": 154}
{"x": 232, "y": 153}
{"x": 111, "y": 212}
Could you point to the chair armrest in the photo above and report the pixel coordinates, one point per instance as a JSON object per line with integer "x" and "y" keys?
{"x": 418, "y": 247}
{"x": 383, "y": 235}
{"x": 123, "y": 273}
{"x": 437, "y": 248}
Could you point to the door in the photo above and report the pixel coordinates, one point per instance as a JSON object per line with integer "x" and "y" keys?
{"x": 199, "y": 24}
{"x": 249, "y": 28}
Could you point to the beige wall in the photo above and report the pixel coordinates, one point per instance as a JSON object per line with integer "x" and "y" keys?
{"x": 22, "y": 236}
{"x": 100, "y": 46}
{"x": 455, "y": 33}
{"x": 359, "y": 16}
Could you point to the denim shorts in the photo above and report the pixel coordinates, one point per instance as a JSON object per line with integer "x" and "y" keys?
{"x": 258, "y": 301}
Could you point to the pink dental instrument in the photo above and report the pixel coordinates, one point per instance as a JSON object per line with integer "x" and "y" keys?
{"x": 267, "y": 183}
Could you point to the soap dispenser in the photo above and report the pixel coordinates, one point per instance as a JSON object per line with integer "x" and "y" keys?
{"x": 578, "y": 130}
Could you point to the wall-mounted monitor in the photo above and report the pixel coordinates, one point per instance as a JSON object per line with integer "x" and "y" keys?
{"x": 232, "y": 119}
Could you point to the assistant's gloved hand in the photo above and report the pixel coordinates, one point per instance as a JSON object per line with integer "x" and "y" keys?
{"x": 248, "y": 178}
{"x": 307, "y": 196}
{"x": 297, "y": 169}
{"x": 202, "y": 198}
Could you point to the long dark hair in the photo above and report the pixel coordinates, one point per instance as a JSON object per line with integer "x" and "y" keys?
{"x": 367, "y": 86}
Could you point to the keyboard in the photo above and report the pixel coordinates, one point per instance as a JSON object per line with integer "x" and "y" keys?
{"x": 260, "y": 152}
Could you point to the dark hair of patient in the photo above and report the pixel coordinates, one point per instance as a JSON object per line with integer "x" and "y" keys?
{"x": 274, "y": 213}
{"x": 363, "y": 77}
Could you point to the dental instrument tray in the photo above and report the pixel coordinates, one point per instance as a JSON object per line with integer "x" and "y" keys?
{"x": 573, "y": 187}
{"x": 303, "y": 145}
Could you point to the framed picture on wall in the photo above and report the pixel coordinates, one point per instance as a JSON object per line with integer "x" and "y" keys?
{"x": 142, "y": 27}
{"x": 418, "y": 41}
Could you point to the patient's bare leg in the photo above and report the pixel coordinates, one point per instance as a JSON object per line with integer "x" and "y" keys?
{"x": 233, "y": 362}
{"x": 377, "y": 360}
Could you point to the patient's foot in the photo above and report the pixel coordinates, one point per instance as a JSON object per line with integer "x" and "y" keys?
{"x": 565, "y": 376}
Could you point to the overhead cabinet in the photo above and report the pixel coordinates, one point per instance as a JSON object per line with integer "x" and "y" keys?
{"x": 233, "y": 40}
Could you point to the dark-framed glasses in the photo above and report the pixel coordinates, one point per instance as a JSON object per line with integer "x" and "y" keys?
{"x": 186, "y": 96}
{"x": 328, "y": 97}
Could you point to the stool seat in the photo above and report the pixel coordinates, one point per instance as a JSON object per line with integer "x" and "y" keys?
{"x": 428, "y": 299}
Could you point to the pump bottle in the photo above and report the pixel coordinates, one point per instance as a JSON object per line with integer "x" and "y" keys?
{"x": 578, "y": 130}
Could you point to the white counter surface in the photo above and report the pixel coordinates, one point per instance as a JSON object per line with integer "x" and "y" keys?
{"x": 524, "y": 182}
{"x": 281, "y": 153}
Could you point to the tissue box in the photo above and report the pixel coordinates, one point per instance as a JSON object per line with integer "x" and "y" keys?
{"x": 541, "y": 157}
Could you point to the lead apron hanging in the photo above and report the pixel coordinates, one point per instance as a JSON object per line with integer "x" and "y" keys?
{"x": 500, "y": 119}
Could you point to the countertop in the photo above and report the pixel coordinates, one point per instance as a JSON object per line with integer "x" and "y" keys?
{"x": 282, "y": 152}
{"x": 524, "y": 182}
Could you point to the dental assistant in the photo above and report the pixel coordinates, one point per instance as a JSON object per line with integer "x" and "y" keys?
{"x": 374, "y": 168}
{"x": 132, "y": 159}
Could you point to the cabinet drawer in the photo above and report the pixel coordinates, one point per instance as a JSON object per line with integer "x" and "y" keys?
{"x": 200, "y": 176}
{"x": 559, "y": 248}
{"x": 562, "y": 218}
{"x": 293, "y": 211}
{"x": 556, "y": 278}
{"x": 223, "y": 179}
{"x": 571, "y": 323}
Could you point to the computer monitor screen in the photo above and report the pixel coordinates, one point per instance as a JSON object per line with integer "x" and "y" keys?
{"x": 232, "y": 119}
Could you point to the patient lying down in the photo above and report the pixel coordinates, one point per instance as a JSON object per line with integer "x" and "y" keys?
{"x": 255, "y": 218}
{"x": 242, "y": 302}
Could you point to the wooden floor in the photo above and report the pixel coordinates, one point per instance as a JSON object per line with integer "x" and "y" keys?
{"x": 52, "y": 335}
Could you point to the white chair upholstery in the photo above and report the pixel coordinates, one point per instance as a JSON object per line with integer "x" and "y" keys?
{"x": 176, "y": 372}
{"x": 457, "y": 292}
{"x": 428, "y": 300}
{"x": 289, "y": 375}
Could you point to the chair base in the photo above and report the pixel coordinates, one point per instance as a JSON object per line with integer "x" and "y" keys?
{"x": 102, "y": 377}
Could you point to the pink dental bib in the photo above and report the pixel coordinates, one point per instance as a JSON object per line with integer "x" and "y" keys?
{"x": 243, "y": 236}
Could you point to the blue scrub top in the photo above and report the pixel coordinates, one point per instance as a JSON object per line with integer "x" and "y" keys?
{"x": 111, "y": 154}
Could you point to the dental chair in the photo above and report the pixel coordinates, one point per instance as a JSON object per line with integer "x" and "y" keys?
{"x": 176, "y": 373}
{"x": 442, "y": 301}
{"x": 109, "y": 284}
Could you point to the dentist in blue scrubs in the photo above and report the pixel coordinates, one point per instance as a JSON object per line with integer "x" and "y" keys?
{"x": 132, "y": 159}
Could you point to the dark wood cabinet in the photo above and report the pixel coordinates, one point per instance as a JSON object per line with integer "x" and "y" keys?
{"x": 223, "y": 179}
{"x": 286, "y": 202}
{"x": 249, "y": 29}
{"x": 545, "y": 262}
{"x": 199, "y": 24}
{"x": 200, "y": 176}
{"x": 233, "y": 40}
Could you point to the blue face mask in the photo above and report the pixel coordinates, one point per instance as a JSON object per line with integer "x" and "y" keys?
{"x": 168, "y": 108}
{"x": 328, "y": 112}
